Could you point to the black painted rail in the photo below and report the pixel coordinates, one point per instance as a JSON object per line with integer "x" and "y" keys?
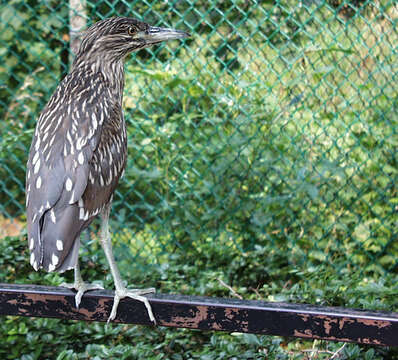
{"x": 205, "y": 313}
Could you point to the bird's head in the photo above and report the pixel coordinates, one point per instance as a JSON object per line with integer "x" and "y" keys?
{"x": 114, "y": 38}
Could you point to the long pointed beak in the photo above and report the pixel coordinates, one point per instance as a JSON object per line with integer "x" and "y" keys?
{"x": 156, "y": 35}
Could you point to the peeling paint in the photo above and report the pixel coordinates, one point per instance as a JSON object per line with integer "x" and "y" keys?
{"x": 305, "y": 321}
{"x": 328, "y": 323}
{"x": 345, "y": 320}
{"x": 369, "y": 341}
{"x": 377, "y": 323}
{"x": 231, "y": 313}
{"x": 197, "y": 315}
{"x": 309, "y": 335}
{"x": 305, "y": 317}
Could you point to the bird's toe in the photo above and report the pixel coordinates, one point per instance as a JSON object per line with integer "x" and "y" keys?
{"x": 78, "y": 298}
{"x": 135, "y": 294}
{"x": 81, "y": 288}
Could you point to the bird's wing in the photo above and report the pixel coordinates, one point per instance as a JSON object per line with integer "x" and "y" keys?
{"x": 66, "y": 135}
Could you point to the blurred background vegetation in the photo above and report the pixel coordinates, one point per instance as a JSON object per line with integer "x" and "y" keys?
{"x": 262, "y": 153}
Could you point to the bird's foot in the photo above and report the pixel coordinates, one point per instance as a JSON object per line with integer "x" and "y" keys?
{"x": 81, "y": 287}
{"x": 135, "y": 294}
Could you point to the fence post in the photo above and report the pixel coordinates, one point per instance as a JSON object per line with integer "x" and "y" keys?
{"x": 77, "y": 22}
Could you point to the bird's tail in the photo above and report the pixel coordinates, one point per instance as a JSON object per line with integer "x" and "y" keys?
{"x": 54, "y": 239}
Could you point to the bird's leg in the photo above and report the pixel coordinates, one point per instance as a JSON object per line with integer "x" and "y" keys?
{"x": 120, "y": 290}
{"x": 80, "y": 286}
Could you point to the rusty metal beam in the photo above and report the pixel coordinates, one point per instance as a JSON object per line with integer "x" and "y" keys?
{"x": 205, "y": 313}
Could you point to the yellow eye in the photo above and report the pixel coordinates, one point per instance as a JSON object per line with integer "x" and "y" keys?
{"x": 131, "y": 30}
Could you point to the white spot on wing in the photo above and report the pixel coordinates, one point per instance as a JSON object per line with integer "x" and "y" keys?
{"x": 35, "y": 158}
{"x": 81, "y": 142}
{"x": 32, "y": 258}
{"x": 45, "y": 147}
{"x": 94, "y": 118}
{"x": 51, "y": 267}
{"x": 69, "y": 138}
{"x": 31, "y": 243}
{"x": 52, "y": 140}
{"x": 37, "y": 145}
{"x": 60, "y": 245}
{"x": 72, "y": 198}
{"x": 53, "y": 218}
{"x": 68, "y": 184}
{"x": 80, "y": 158}
{"x": 37, "y": 167}
{"x": 45, "y": 137}
{"x": 48, "y": 156}
{"x": 38, "y": 182}
{"x": 54, "y": 259}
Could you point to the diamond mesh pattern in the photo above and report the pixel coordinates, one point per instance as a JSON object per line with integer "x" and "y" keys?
{"x": 275, "y": 125}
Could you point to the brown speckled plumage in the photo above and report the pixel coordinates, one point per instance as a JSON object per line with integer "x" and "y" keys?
{"x": 79, "y": 149}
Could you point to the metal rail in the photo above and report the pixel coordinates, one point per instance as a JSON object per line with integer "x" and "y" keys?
{"x": 205, "y": 313}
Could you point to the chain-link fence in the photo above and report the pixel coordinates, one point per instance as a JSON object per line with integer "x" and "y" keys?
{"x": 274, "y": 128}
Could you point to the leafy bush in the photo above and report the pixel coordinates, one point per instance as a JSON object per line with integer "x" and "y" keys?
{"x": 261, "y": 152}
{"x": 27, "y": 338}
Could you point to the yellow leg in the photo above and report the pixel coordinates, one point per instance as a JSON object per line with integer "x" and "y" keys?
{"x": 120, "y": 290}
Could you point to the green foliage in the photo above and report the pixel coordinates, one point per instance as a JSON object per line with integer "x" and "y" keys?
{"x": 262, "y": 151}
{"x": 26, "y": 338}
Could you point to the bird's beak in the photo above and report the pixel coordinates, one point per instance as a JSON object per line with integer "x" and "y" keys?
{"x": 156, "y": 35}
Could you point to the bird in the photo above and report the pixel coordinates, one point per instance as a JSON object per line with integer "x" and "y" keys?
{"x": 79, "y": 150}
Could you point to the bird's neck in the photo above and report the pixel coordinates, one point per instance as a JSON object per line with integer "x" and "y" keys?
{"x": 111, "y": 71}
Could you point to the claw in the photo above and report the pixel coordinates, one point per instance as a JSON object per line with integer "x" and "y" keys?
{"x": 81, "y": 288}
{"x": 135, "y": 294}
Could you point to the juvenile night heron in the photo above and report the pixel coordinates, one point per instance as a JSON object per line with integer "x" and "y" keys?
{"x": 79, "y": 151}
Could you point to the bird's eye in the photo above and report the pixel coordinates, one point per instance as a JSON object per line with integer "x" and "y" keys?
{"x": 131, "y": 30}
